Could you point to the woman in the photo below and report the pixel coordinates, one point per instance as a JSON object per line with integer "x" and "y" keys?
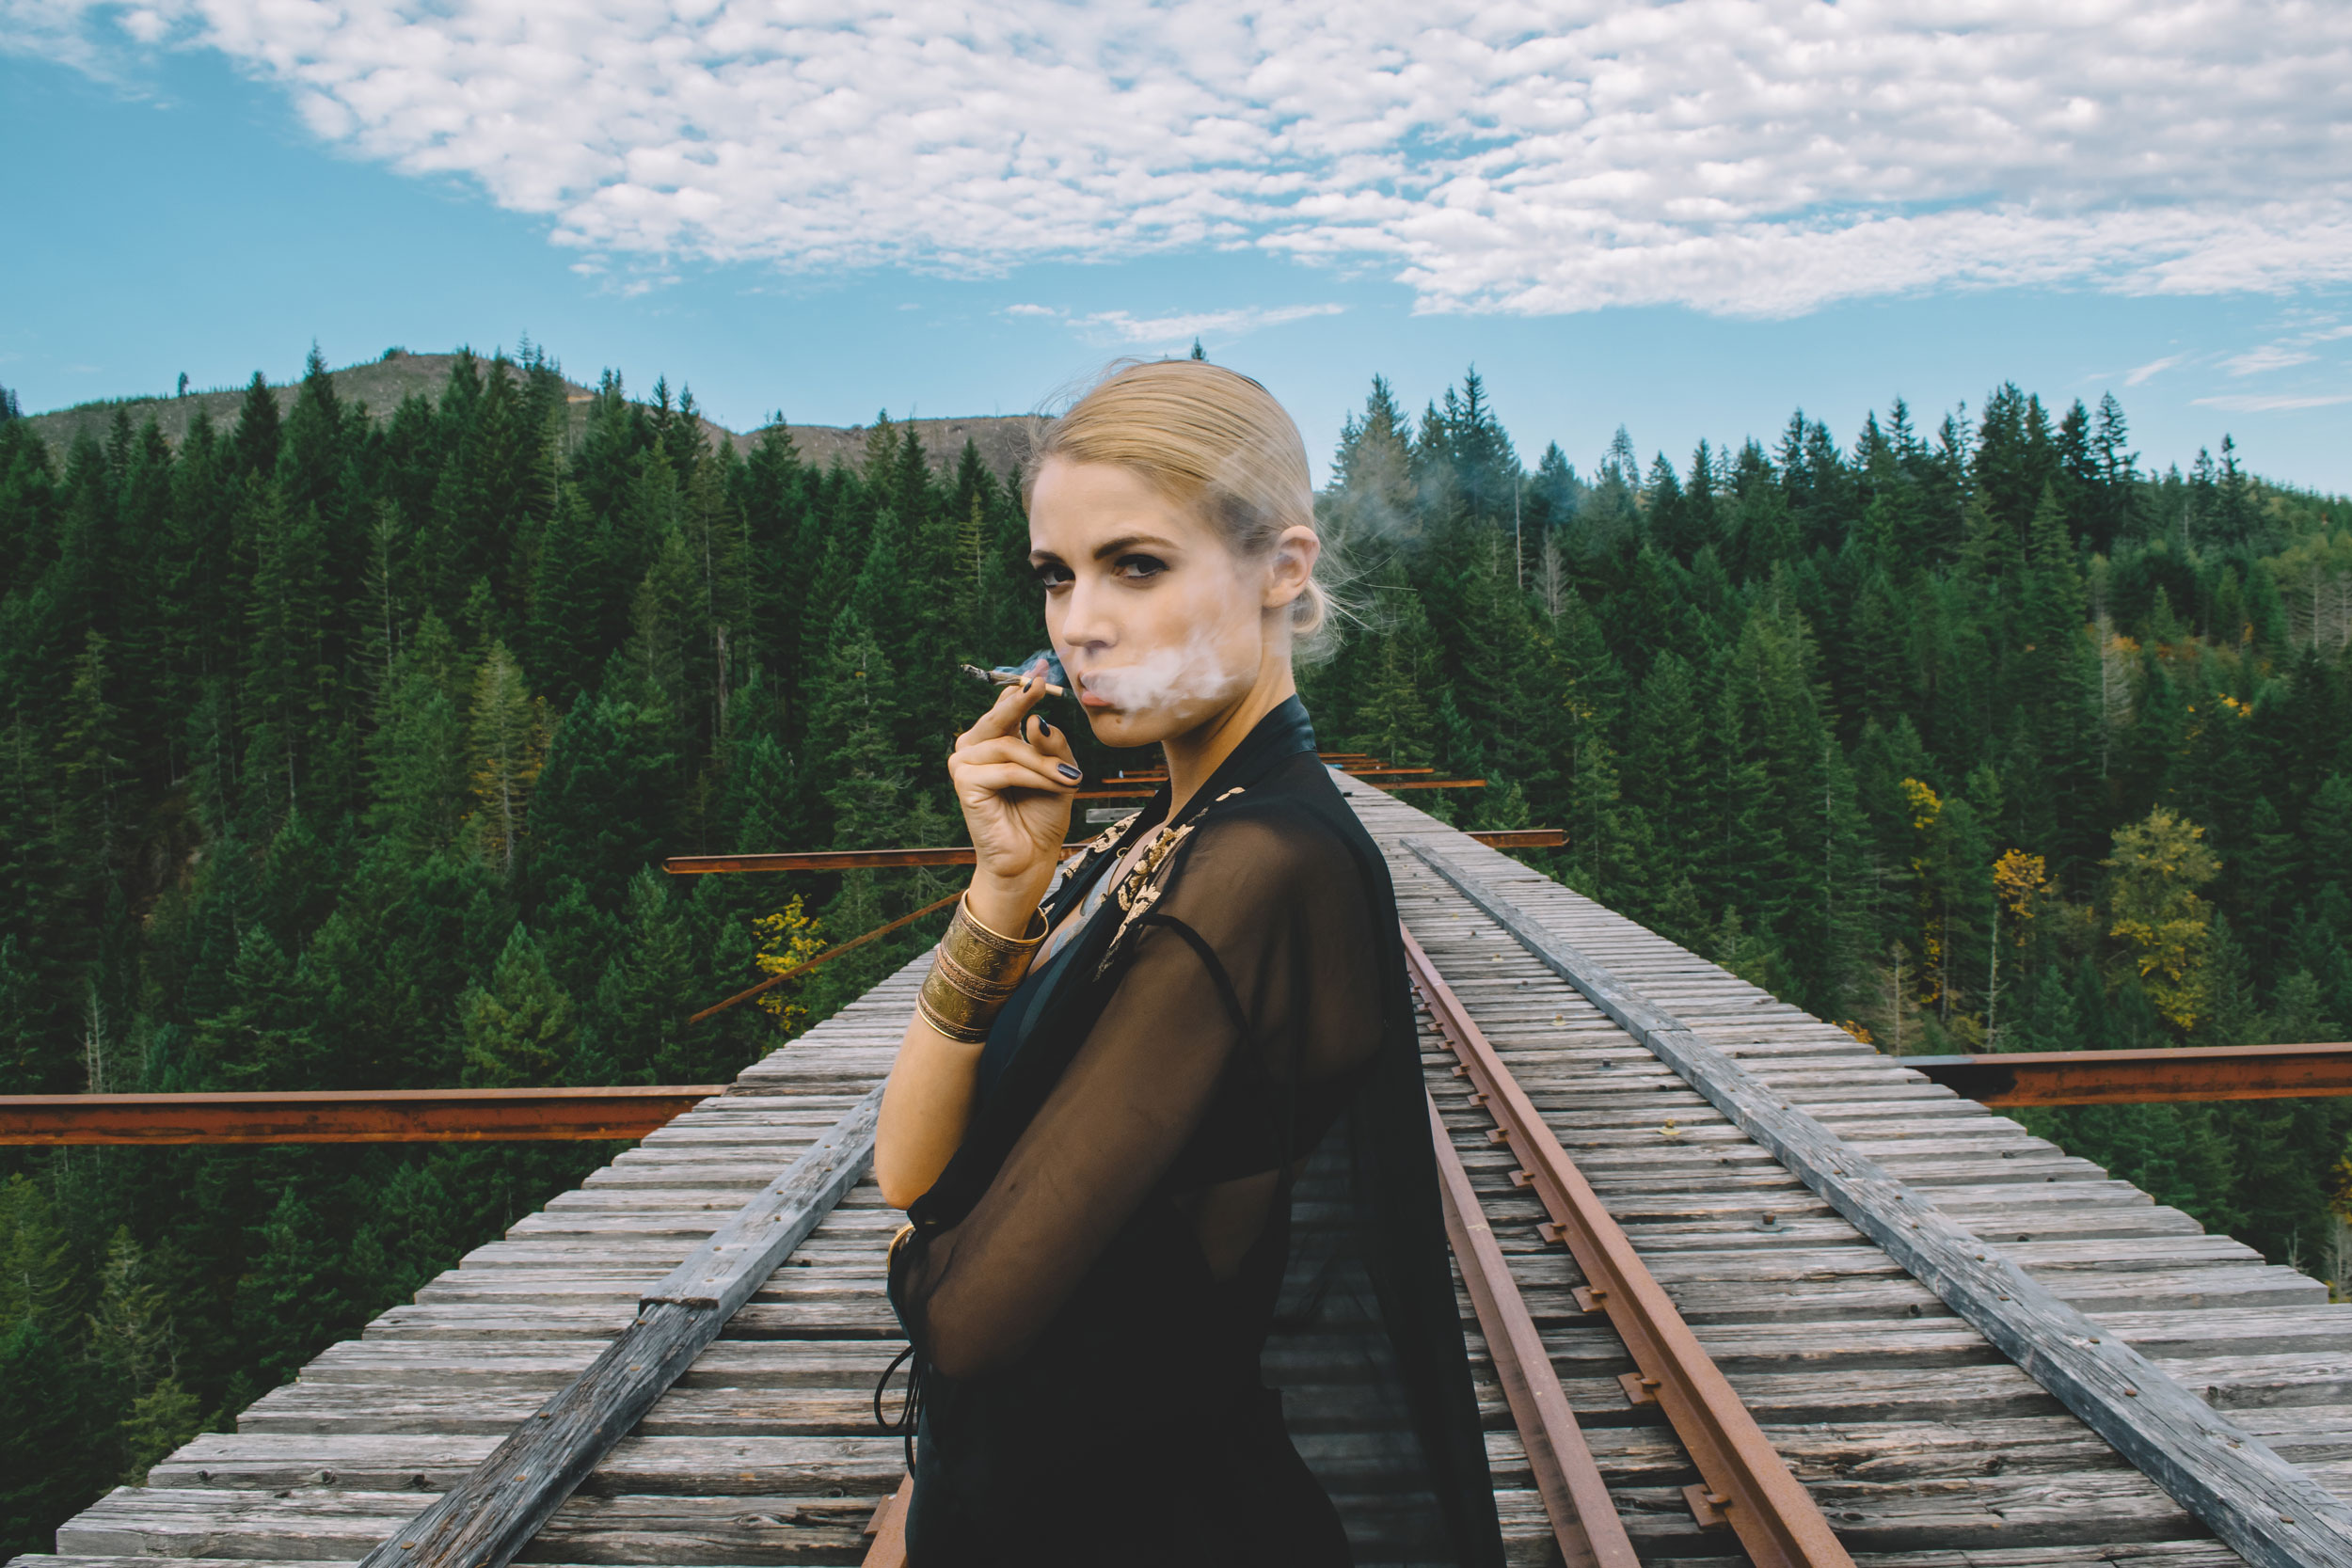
{"x": 1160, "y": 1127}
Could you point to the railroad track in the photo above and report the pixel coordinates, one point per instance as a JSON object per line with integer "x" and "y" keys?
{"x": 1801, "y": 1397}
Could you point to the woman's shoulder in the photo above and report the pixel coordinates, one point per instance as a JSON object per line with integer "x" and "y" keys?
{"x": 1293, "y": 836}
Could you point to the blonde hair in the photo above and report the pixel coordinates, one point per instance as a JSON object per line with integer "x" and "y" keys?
{"x": 1210, "y": 439}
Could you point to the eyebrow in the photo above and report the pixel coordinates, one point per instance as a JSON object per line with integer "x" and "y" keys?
{"x": 1110, "y": 548}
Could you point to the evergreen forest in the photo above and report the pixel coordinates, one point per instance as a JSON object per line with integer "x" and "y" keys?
{"x": 340, "y": 747}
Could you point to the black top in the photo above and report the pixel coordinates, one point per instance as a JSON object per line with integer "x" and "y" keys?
{"x": 1199, "y": 1165}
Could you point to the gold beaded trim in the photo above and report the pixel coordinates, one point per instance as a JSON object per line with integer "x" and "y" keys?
{"x": 1146, "y": 879}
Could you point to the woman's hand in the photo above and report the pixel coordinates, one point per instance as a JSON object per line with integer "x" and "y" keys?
{"x": 1014, "y": 774}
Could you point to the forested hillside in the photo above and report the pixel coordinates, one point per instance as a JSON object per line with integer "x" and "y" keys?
{"x": 340, "y": 751}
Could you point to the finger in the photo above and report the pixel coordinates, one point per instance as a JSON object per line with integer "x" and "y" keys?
{"x": 1012, "y": 750}
{"x": 1039, "y": 670}
{"x": 1012, "y": 704}
{"x": 997, "y": 778}
{"x": 1050, "y": 738}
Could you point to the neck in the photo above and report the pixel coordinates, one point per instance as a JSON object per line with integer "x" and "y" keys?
{"x": 1197, "y": 754}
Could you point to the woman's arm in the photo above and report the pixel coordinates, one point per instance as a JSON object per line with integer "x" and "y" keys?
{"x": 1015, "y": 776}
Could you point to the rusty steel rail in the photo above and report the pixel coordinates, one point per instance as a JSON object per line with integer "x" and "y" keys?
{"x": 348, "y": 1116}
{"x": 2144, "y": 1077}
{"x": 1744, "y": 1484}
{"x": 1584, "y": 1518}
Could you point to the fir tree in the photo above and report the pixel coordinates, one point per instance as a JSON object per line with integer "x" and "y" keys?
{"x": 507, "y": 731}
{"x": 519, "y": 1028}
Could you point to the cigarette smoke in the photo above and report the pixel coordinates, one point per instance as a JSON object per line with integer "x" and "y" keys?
{"x": 1165, "y": 676}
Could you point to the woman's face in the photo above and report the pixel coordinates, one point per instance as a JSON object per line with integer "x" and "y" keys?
{"x": 1161, "y": 624}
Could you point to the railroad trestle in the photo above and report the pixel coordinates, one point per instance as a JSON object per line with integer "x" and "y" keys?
{"x": 1754, "y": 1293}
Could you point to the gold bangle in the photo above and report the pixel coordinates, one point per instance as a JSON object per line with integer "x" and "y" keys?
{"x": 972, "y": 974}
{"x": 952, "y": 1013}
{"x": 988, "y": 956}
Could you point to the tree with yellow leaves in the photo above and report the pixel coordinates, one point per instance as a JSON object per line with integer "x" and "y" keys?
{"x": 788, "y": 939}
{"x": 2020, "y": 882}
{"x": 2158, "y": 865}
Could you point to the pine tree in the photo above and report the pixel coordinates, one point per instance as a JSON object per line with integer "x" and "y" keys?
{"x": 311, "y": 446}
{"x": 91, "y": 753}
{"x": 291, "y": 1297}
{"x": 255, "y": 442}
{"x": 417, "y": 752}
{"x": 508, "y": 739}
{"x": 1372, "y": 504}
{"x": 572, "y": 602}
{"x": 606, "y": 802}
{"x": 519, "y": 1028}
{"x": 290, "y": 690}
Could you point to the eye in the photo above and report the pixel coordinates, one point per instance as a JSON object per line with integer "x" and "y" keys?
{"x": 1137, "y": 567}
{"x": 1053, "y": 574}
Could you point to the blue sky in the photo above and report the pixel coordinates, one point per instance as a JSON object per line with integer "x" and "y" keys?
{"x": 207, "y": 187}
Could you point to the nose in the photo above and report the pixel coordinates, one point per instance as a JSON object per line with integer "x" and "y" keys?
{"x": 1086, "y": 619}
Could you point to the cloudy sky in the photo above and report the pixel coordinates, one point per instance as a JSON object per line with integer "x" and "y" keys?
{"x": 1688, "y": 217}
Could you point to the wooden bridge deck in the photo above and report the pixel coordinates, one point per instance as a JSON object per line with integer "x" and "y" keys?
{"x": 1924, "y": 1446}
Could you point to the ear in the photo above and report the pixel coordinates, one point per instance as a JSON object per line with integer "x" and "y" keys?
{"x": 1291, "y": 565}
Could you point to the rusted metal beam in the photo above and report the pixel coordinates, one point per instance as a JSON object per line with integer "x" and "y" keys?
{"x": 1743, "y": 1483}
{"x": 2145, "y": 1077}
{"x": 1138, "y": 793}
{"x": 830, "y": 860}
{"x": 952, "y": 854}
{"x": 1520, "y": 838}
{"x": 348, "y": 1116}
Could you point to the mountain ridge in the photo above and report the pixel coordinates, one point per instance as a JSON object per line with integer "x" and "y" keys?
{"x": 379, "y": 384}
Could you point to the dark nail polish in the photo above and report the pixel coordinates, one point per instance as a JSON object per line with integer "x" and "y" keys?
{"x": 1068, "y": 771}
{"x": 1044, "y": 728}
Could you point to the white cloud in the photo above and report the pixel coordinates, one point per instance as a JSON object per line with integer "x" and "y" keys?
{"x": 1756, "y": 157}
{"x": 2155, "y": 367}
{"x": 2251, "y": 404}
{"x": 2270, "y": 356}
{"x": 1122, "y": 326}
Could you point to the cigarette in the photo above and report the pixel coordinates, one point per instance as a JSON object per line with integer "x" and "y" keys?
{"x": 1056, "y": 682}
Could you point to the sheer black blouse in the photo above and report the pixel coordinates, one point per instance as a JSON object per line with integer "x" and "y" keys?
{"x": 1181, "y": 1294}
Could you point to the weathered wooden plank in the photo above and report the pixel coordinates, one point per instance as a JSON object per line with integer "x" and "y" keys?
{"x": 2271, "y": 1512}
{"x": 711, "y": 1467}
{"x": 495, "y": 1513}
{"x": 342, "y": 1526}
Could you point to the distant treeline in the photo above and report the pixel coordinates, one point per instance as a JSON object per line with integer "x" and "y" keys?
{"x": 341, "y": 751}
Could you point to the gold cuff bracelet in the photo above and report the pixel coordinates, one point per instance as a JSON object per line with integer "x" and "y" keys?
{"x": 974, "y": 970}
